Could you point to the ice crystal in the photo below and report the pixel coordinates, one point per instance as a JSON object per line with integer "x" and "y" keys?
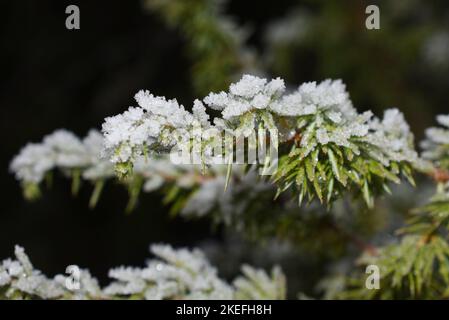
{"x": 67, "y": 149}
{"x": 33, "y": 161}
{"x": 63, "y": 150}
{"x": 436, "y": 145}
{"x": 128, "y": 135}
{"x": 249, "y": 93}
{"x": 257, "y": 285}
{"x": 393, "y": 136}
{"x": 174, "y": 274}
{"x": 20, "y": 280}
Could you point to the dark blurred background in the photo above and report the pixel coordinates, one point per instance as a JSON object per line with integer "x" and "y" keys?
{"x": 57, "y": 78}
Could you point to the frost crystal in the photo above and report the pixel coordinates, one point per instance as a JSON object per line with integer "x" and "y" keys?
{"x": 63, "y": 150}
{"x": 393, "y": 137}
{"x": 257, "y": 285}
{"x": 199, "y": 111}
{"x": 33, "y": 161}
{"x": 67, "y": 148}
{"x": 20, "y": 280}
{"x": 443, "y": 120}
{"x": 128, "y": 135}
{"x": 436, "y": 144}
{"x": 248, "y": 94}
{"x": 174, "y": 274}
{"x": 179, "y": 273}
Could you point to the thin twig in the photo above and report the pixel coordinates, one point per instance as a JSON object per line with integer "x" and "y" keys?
{"x": 440, "y": 175}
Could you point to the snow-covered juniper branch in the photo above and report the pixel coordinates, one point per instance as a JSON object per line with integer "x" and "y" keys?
{"x": 66, "y": 152}
{"x": 174, "y": 274}
{"x": 417, "y": 265}
{"x": 190, "y": 192}
{"x": 327, "y": 148}
{"x": 185, "y": 185}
